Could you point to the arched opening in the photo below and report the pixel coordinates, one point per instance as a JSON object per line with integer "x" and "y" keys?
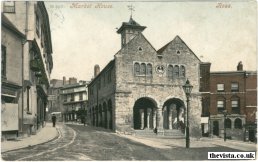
{"x": 105, "y": 115}
{"x": 144, "y": 113}
{"x": 110, "y": 114}
{"x": 173, "y": 114}
{"x": 238, "y": 123}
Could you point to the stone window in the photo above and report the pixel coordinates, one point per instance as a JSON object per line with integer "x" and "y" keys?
{"x": 170, "y": 71}
{"x": 238, "y": 123}
{"x": 176, "y": 71}
{"x": 234, "y": 87}
{"x": 228, "y": 123}
{"x": 140, "y": 49}
{"x": 149, "y": 69}
{"x": 235, "y": 105}
{"x": 3, "y": 61}
{"x": 221, "y": 105}
{"x": 9, "y": 7}
{"x": 182, "y": 71}
{"x": 220, "y": 87}
{"x": 143, "y": 69}
{"x": 136, "y": 68}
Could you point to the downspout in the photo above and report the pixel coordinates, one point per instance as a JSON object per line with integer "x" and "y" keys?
{"x": 23, "y": 43}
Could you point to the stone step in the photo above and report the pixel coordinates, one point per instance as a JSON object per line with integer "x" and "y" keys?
{"x": 168, "y": 133}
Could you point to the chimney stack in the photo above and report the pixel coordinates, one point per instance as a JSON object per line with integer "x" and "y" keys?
{"x": 240, "y": 66}
{"x": 64, "y": 80}
{"x": 96, "y": 70}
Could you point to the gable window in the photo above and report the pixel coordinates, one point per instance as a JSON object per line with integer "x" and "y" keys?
{"x": 3, "y": 61}
{"x": 220, "y": 87}
{"x": 149, "y": 69}
{"x": 170, "y": 71}
{"x": 137, "y": 68}
{"x": 176, "y": 71}
{"x": 9, "y": 7}
{"x": 182, "y": 71}
{"x": 143, "y": 69}
{"x": 234, "y": 87}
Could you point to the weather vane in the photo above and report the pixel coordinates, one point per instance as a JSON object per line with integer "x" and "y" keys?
{"x": 131, "y": 7}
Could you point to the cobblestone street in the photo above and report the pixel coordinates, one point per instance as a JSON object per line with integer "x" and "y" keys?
{"x": 78, "y": 142}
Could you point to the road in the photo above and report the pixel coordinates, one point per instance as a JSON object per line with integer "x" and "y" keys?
{"x": 81, "y": 143}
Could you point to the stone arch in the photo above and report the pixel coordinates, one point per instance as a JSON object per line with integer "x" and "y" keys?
{"x": 173, "y": 114}
{"x": 238, "y": 123}
{"x": 144, "y": 113}
{"x": 110, "y": 110}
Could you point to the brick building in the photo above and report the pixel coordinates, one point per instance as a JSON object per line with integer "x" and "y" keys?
{"x": 140, "y": 90}
{"x": 27, "y": 64}
{"x": 234, "y": 94}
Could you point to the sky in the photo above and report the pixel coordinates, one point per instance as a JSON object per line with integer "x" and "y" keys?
{"x": 84, "y": 33}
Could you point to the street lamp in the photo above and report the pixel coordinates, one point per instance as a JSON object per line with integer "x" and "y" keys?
{"x": 187, "y": 89}
{"x": 225, "y": 113}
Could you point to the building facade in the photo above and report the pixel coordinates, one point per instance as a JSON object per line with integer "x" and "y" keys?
{"x": 34, "y": 52}
{"x": 74, "y": 99}
{"x": 140, "y": 90}
{"x": 54, "y": 99}
{"x": 231, "y": 104}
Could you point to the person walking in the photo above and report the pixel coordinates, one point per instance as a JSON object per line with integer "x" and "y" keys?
{"x": 54, "y": 120}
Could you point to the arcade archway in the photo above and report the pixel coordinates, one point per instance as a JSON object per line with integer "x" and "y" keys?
{"x": 173, "y": 114}
{"x": 144, "y": 113}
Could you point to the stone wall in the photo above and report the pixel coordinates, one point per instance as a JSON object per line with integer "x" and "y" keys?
{"x": 158, "y": 87}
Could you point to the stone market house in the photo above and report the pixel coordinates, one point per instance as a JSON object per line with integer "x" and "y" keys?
{"x": 140, "y": 90}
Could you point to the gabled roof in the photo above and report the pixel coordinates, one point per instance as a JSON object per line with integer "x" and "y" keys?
{"x": 162, "y": 49}
{"x": 131, "y": 24}
{"x": 9, "y": 25}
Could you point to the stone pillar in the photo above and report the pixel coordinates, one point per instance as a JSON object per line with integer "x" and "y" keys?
{"x": 103, "y": 119}
{"x": 148, "y": 117}
{"x": 142, "y": 118}
{"x": 170, "y": 118}
{"x": 108, "y": 118}
{"x": 154, "y": 115}
{"x": 160, "y": 129}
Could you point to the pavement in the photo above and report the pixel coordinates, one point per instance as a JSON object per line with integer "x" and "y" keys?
{"x": 46, "y": 134}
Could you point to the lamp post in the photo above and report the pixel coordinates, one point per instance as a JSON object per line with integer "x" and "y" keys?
{"x": 187, "y": 89}
{"x": 225, "y": 113}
